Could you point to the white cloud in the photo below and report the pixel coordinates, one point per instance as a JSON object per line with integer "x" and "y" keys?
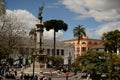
{"x": 30, "y": 21}
{"x": 100, "y": 10}
{"x": 50, "y": 34}
{"x": 107, "y": 27}
{"x": 25, "y": 17}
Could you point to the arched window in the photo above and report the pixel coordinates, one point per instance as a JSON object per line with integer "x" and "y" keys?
{"x": 83, "y": 43}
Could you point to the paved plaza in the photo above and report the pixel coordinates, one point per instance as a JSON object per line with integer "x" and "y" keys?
{"x": 71, "y": 77}
{"x": 62, "y": 76}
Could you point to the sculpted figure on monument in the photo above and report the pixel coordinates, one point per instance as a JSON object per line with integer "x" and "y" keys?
{"x": 40, "y": 12}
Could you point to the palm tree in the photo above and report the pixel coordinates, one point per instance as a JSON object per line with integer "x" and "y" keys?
{"x": 56, "y": 25}
{"x": 78, "y": 32}
{"x": 33, "y": 35}
{"x": 111, "y": 40}
{"x": 2, "y": 7}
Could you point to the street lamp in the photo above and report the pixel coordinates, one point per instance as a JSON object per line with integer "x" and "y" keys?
{"x": 69, "y": 61}
{"x": 34, "y": 55}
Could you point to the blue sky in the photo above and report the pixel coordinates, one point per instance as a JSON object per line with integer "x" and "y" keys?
{"x": 96, "y": 16}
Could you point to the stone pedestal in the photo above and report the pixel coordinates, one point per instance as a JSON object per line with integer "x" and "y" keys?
{"x": 29, "y": 70}
{"x": 42, "y": 59}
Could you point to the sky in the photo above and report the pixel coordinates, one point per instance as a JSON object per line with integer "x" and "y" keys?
{"x": 96, "y": 16}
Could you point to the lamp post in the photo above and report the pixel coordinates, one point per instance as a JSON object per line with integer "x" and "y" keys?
{"x": 34, "y": 55}
{"x": 69, "y": 61}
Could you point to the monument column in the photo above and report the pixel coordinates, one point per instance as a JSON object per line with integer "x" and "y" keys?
{"x": 40, "y": 29}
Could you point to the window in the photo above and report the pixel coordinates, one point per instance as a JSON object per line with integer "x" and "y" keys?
{"x": 57, "y": 51}
{"x": 62, "y": 52}
{"x": 83, "y": 49}
{"x": 83, "y": 43}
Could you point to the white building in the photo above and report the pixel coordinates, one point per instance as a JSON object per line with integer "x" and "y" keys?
{"x": 26, "y": 50}
{"x": 64, "y": 50}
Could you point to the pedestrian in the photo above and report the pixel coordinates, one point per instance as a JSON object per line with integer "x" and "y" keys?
{"x": 15, "y": 72}
{"x": 75, "y": 72}
{"x": 67, "y": 73}
{"x": 51, "y": 72}
{"x": 88, "y": 77}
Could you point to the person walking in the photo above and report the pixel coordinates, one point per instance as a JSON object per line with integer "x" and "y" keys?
{"x": 67, "y": 74}
{"x": 50, "y": 72}
{"x": 75, "y": 71}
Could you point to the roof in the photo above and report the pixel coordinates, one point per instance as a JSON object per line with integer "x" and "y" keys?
{"x": 98, "y": 47}
{"x": 81, "y": 39}
{"x": 47, "y": 42}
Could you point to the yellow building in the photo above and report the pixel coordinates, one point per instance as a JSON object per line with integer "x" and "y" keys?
{"x": 84, "y": 45}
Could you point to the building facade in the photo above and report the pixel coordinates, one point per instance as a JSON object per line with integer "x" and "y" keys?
{"x": 27, "y": 48}
{"x": 65, "y": 50}
{"x": 84, "y": 45}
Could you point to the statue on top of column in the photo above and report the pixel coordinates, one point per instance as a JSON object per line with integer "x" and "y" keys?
{"x": 40, "y": 12}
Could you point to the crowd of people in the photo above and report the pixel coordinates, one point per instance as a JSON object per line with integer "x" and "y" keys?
{"x": 36, "y": 77}
{"x": 6, "y": 71}
{"x": 9, "y": 72}
{"x": 12, "y": 74}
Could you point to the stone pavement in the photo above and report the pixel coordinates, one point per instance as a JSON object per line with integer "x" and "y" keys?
{"x": 61, "y": 76}
{"x": 71, "y": 77}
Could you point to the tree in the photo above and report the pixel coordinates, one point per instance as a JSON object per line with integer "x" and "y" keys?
{"x": 55, "y": 61}
{"x": 111, "y": 40}
{"x": 11, "y": 31}
{"x": 2, "y": 7}
{"x": 33, "y": 34}
{"x": 90, "y": 60}
{"x": 78, "y": 32}
{"x": 56, "y": 25}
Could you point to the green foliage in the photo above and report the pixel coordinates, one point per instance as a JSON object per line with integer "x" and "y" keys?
{"x": 78, "y": 32}
{"x": 50, "y": 58}
{"x": 100, "y": 61}
{"x": 56, "y": 25}
{"x": 111, "y": 40}
{"x": 56, "y": 60}
{"x": 33, "y": 34}
{"x": 91, "y": 60}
